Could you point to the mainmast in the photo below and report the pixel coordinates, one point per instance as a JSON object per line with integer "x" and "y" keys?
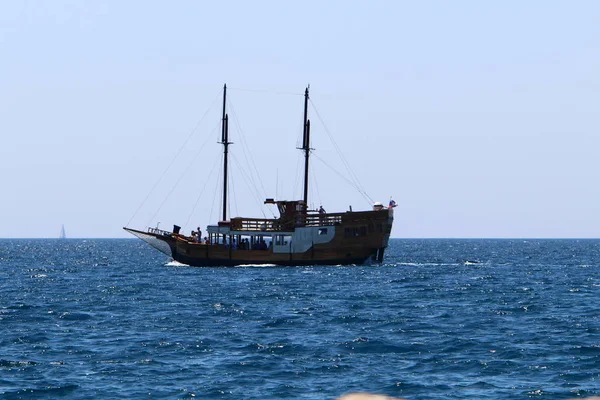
{"x": 225, "y": 142}
{"x": 306, "y": 146}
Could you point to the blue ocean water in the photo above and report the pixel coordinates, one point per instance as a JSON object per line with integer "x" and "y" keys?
{"x": 440, "y": 319}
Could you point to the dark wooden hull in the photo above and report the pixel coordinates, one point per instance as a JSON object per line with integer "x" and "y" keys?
{"x": 202, "y": 255}
{"x": 358, "y": 237}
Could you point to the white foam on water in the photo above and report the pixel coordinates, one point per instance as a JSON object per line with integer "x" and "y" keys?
{"x": 411, "y": 264}
{"x": 175, "y": 264}
{"x": 257, "y": 265}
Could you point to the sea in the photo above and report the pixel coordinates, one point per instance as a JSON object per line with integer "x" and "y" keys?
{"x": 439, "y": 319}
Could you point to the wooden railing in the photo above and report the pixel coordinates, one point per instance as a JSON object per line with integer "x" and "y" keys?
{"x": 255, "y": 224}
{"x": 319, "y": 219}
{"x": 277, "y": 225}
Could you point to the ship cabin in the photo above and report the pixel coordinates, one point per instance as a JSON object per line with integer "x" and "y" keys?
{"x": 298, "y": 229}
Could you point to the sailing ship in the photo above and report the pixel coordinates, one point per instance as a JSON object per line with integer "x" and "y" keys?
{"x": 299, "y": 236}
{"x": 62, "y": 235}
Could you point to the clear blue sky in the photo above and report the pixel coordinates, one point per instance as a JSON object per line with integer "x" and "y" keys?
{"x": 480, "y": 118}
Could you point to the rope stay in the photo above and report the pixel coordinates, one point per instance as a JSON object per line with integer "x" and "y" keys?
{"x": 173, "y": 160}
{"x": 365, "y": 196}
{"x": 217, "y": 161}
{"x": 267, "y": 91}
{"x": 255, "y": 195}
{"x": 180, "y": 178}
{"x": 233, "y": 195}
{"x": 313, "y": 175}
{"x": 217, "y": 189}
{"x": 298, "y": 175}
{"x": 246, "y": 151}
{"x": 357, "y": 184}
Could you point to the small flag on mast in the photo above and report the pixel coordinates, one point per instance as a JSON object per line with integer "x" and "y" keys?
{"x": 392, "y": 204}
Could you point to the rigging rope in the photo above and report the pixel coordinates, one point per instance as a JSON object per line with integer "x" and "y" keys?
{"x": 201, "y": 192}
{"x": 234, "y": 197}
{"x": 365, "y": 196}
{"x": 267, "y": 91}
{"x": 314, "y": 179}
{"x": 246, "y": 151}
{"x": 298, "y": 174}
{"x": 180, "y": 178}
{"x": 344, "y": 161}
{"x": 217, "y": 189}
{"x": 254, "y": 194}
{"x": 174, "y": 158}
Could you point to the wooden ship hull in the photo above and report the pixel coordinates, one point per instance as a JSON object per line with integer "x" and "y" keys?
{"x": 298, "y": 237}
{"x": 328, "y": 239}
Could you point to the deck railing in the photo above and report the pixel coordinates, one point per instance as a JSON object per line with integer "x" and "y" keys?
{"x": 299, "y": 220}
{"x": 318, "y": 219}
{"x": 276, "y": 225}
{"x": 255, "y": 224}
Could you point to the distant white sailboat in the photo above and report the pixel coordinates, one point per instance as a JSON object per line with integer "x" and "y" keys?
{"x": 63, "y": 235}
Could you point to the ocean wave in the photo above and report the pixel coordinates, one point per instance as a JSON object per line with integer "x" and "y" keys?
{"x": 422, "y": 325}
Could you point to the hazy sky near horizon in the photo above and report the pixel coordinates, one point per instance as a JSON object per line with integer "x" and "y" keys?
{"x": 480, "y": 118}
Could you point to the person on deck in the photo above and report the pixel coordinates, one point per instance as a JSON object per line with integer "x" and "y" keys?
{"x": 262, "y": 245}
{"x": 321, "y": 215}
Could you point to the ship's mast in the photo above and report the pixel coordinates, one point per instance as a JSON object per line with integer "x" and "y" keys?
{"x": 225, "y": 142}
{"x": 306, "y": 146}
